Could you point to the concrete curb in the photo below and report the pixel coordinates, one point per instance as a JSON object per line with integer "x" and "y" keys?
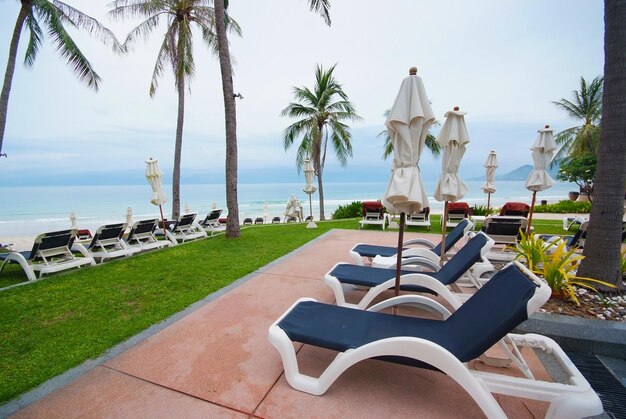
{"x": 601, "y": 337}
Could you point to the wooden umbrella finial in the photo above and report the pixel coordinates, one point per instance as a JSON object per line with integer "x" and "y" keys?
{"x": 456, "y": 109}
{"x": 412, "y": 71}
{"x": 547, "y": 126}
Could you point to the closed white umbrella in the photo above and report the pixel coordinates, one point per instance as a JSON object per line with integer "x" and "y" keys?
{"x": 309, "y": 188}
{"x": 266, "y": 211}
{"x": 129, "y": 217}
{"x": 543, "y": 150}
{"x": 187, "y": 208}
{"x": 489, "y": 187}
{"x": 213, "y": 205}
{"x": 453, "y": 139}
{"x": 408, "y": 123}
{"x": 155, "y": 179}
{"x": 73, "y": 220}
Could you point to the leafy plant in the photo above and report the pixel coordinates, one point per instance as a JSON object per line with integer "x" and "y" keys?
{"x": 352, "y": 210}
{"x": 624, "y": 262}
{"x": 531, "y": 248}
{"x": 558, "y": 270}
{"x": 482, "y": 210}
{"x": 581, "y": 170}
{"x": 565, "y": 207}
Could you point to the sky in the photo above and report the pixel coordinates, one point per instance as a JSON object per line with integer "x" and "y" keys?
{"x": 501, "y": 61}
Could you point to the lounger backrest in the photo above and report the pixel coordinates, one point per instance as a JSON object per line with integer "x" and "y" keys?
{"x": 515, "y": 208}
{"x": 142, "y": 227}
{"x": 107, "y": 232}
{"x": 54, "y": 240}
{"x": 373, "y": 209}
{"x": 462, "y": 260}
{"x": 452, "y": 237}
{"x": 459, "y": 208}
{"x": 213, "y": 216}
{"x": 495, "y": 310}
{"x": 186, "y": 220}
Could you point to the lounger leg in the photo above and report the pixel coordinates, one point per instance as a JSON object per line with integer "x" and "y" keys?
{"x": 17, "y": 257}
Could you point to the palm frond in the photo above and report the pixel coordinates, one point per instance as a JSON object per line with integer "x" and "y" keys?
{"x": 35, "y": 40}
{"x": 83, "y": 21}
{"x": 66, "y": 45}
{"x": 163, "y": 58}
{"x": 322, "y": 7}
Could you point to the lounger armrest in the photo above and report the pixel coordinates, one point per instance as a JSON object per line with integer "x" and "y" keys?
{"x": 420, "y": 252}
{"x": 419, "y": 301}
{"x": 420, "y": 242}
{"x": 421, "y": 262}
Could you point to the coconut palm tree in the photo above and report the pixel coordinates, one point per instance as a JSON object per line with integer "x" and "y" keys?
{"x": 232, "y": 225}
{"x": 431, "y": 142}
{"x": 323, "y": 112}
{"x": 182, "y": 16}
{"x": 53, "y": 16}
{"x": 603, "y": 244}
{"x": 585, "y": 106}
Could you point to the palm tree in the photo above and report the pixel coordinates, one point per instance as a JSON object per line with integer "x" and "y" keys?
{"x": 176, "y": 51}
{"x": 53, "y": 15}
{"x": 431, "y": 141}
{"x": 232, "y": 225}
{"x": 322, "y": 112}
{"x": 603, "y": 243}
{"x": 586, "y": 106}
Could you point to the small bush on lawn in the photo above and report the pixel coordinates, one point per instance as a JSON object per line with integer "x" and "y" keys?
{"x": 352, "y": 210}
{"x": 565, "y": 206}
{"x": 482, "y": 210}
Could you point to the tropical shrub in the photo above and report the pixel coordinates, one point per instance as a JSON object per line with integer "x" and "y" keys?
{"x": 352, "y": 210}
{"x": 558, "y": 270}
{"x": 564, "y": 207}
{"x": 530, "y": 248}
{"x": 482, "y": 210}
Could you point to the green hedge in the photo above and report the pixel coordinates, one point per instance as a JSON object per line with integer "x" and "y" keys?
{"x": 565, "y": 206}
{"x": 352, "y": 210}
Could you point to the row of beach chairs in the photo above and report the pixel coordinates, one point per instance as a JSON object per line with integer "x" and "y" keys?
{"x": 453, "y": 343}
{"x": 60, "y": 250}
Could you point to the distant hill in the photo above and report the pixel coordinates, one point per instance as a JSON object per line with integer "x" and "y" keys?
{"x": 521, "y": 173}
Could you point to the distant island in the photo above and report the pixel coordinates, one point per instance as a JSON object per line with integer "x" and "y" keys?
{"x": 521, "y": 173}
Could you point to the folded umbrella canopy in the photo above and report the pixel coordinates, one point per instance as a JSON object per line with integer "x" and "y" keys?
{"x": 309, "y": 188}
{"x": 155, "y": 179}
{"x": 453, "y": 138}
{"x": 489, "y": 187}
{"x": 543, "y": 150}
{"x": 408, "y": 123}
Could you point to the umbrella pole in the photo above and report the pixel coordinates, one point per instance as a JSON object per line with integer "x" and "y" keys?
{"x": 310, "y": 208}
{"x": 399, "y": 255}
{"x": 399, "y": 259}
{"x": 488, "y": 201}
{"x": 530, "y": 213}
{"x": 443, "y": 233}
{"x": 162, "y": 219}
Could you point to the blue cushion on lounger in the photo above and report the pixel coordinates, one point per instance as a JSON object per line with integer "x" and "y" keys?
{"x": 369, "y": 250}
{"x": 496, "y": 309}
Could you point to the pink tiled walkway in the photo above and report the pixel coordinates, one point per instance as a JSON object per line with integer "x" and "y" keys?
{"x": 217, "y": 362}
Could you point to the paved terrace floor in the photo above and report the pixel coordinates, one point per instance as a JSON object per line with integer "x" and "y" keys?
{"x": 216, "y": 361}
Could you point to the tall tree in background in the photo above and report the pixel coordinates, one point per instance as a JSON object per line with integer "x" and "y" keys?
{"x": 53, "y": 15}
{"x": 585, "y": 106}
{"x": 323, "y": 112}
{"x": 176, "y": 51}
{"x": 603, "y": 243}
{"x": 232, "y": 202}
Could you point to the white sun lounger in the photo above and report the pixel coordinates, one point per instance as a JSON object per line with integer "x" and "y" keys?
{"x": 51, "y": 252}
{"x": 445, "y": 345}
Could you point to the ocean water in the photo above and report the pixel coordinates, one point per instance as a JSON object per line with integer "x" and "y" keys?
{"x": 28, "y": 211}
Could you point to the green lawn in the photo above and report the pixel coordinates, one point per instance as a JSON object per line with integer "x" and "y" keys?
{"x": 55, "y": 324}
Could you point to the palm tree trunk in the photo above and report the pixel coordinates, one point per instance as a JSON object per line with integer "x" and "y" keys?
{"x": 320, "y": 190}
{"x": 230, "y": 114}
{"x": 178, "y": 148}
{"x": 8, "y": 75}
{"x": 603, "y": 243}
